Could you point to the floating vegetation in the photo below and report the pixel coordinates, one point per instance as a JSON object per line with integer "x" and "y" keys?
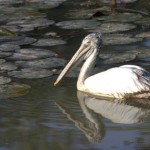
{"x": 23, "y": 41}
{"x": 114, "y": 27}
{"x": 144, "y": 21}
{"x": 13, "y": 90}
{"x": 31, "y": 73}
{"x": 88, "y": 13}
{"x": 118, "y": 1}
{"x": 18, "y": 29}
{"x": 31, "y": 53}
{"x": 143, "y": 35}
{"x": 118, "y": 39}
{"x": 78, "y": 24}
{"x": 112, "y": 58}
{"x": 4, "y": 32}
{"x": 20, "y": 19}
{"x": 8, "y": 66}
{"x": 121, "y": 17}
{"x": 7, "y": 47}
{"x": 49, "y": 42}
{"x": 42, "y": 63}
{"x": 2, "y": 61}
{"x": 5, "y": 54}
{"x": 32, "y": 23}
{"x": 4, "y": 80}
{"x": 142, "y": 53}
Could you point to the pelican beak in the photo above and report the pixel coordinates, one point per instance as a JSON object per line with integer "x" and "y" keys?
{"x": 81, "y": 51}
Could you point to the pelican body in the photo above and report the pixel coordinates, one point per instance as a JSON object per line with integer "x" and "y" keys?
{"x": 119, "y": 82}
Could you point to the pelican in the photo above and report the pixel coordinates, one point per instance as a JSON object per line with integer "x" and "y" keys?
{"x": 119, "y": 82}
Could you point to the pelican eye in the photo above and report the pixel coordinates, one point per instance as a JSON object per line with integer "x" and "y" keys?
{"x": 87, "y": 42}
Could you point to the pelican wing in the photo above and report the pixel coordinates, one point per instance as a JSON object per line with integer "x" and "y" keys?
{"x": 119, "y": 81}
{"x": 142, "y": 73}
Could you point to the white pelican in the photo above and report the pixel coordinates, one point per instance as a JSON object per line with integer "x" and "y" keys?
{"x": 119, "y": 82}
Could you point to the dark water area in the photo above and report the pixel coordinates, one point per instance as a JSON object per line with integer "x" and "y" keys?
{"x": 35, "y": 114}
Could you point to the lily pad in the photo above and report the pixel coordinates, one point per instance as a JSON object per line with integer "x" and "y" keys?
{"x": 78, "y": 24}
{"x": 42, "y": 63}
{"x": 144, "y": 21}
{"x": 112, "y": 58}
{"x": 30, "y": 73}
{"x": 42, "y": 4}
{"x": 9, "y": 47}
{"x": 3, "y": 17}
{"x": 144, "y": 35}
{"x": 17, "y": 28}
{"x": 5, "y": 54}
{"x": 24, "y": 41}
{"x": 4, "y": 32}
{"x": 2, "y": 61}
{"x": 118, "y": 39}
{"x": 13, "y": 90}
{"x": 143, "y": 53}
{"x": 32, "y": 53}
{"x": 24, "y": 14}
{"x": 114, "y": 27}
{"x": 7, "y": 66}
{"x": 4, "y": 80}
{"x": 88, "y": 13}
{"x": 32, "y": 23}
{"x": 118, "y": 1}
{"x": 49, "y": 42}
{"x": 121, "y": 17}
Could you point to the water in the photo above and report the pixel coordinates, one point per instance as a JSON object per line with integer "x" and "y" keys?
{"x": 60, "y": 118}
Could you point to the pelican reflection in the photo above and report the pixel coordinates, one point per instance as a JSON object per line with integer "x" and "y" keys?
{"x": 94, "y": 110}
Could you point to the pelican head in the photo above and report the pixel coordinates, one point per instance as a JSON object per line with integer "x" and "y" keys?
{"x": 89, "y": 44}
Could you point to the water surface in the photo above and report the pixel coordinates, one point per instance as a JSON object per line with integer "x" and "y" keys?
{"x": 61, "y": 118}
